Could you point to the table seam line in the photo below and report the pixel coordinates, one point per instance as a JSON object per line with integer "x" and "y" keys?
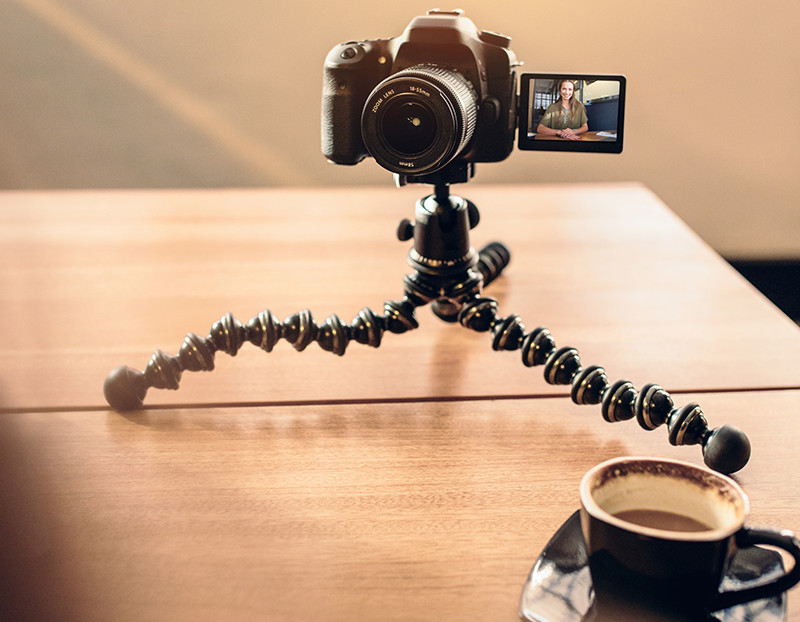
{"x": 363, "y": 401}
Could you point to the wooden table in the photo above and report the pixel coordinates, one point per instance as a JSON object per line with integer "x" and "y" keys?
{"x": 416, "y": 482}
{"x": 591, "y": 136}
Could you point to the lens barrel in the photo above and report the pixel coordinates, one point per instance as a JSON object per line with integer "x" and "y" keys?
{"x": 418, "y": 119}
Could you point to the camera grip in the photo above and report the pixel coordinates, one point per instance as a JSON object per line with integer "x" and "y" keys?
{"x": 783, "y": 540}
{"x": 341, "y": 121}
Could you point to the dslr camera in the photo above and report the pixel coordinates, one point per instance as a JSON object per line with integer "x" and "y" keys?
{"x": 443, "y": 96}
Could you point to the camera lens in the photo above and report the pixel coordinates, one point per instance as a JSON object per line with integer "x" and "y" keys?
{"x": 419, "y": 119}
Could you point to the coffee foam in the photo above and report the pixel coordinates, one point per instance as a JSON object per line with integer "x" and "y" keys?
{"x": 666, "y": 486}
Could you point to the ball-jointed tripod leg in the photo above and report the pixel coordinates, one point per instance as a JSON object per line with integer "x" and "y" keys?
{"x": 450, "y": 275}
{"x": 447, "y": 269}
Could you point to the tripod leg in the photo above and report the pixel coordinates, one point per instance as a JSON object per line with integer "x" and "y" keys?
{"x": 725, "y": 449}
{"x": 126, "y": 388}
{"x": 492, "y": 260}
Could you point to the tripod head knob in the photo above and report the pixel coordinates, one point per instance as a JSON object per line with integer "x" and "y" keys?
{"x": 405, "y": 230}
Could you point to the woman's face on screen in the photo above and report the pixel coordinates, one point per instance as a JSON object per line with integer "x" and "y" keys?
{"x": 566, "y": 90}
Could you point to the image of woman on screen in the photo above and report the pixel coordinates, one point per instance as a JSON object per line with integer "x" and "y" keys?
{"x": 566, "y": 117}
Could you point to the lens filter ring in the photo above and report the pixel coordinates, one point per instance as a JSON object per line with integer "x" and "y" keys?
{"x": 417, "y": 120}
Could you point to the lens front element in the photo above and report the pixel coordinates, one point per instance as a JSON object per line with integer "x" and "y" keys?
{"x": 419, "y": 119}
{"x": 409, "y": 127}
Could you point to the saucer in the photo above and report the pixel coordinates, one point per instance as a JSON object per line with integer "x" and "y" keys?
{"x": 559, "y": 587}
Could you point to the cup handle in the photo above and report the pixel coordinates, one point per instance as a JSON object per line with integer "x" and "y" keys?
{"x": 746, "y": 537}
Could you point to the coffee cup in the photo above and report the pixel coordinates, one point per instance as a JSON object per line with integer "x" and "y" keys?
{"x": 660, "y": 533}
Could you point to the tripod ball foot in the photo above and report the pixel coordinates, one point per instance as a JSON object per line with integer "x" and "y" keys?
{"x": 726, "y": 449}
{"x": 125, "y": 389}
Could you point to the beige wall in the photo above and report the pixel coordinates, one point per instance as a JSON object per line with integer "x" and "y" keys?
{"x": 713, "y": 91}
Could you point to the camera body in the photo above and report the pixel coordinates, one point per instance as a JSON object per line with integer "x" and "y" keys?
{"x": 442, "y": 92}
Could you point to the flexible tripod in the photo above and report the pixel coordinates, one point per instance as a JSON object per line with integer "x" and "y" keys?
{"x": 450, "y": 275}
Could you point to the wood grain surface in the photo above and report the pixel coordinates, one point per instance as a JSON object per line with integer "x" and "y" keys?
{"x": 418, "y": 481}
{"x": 93, "y": 280}
{"x": 419, "y": 511}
